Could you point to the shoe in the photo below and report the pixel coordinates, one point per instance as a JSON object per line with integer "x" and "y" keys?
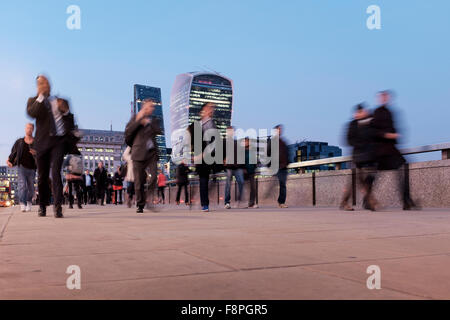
{"x": 42, "y": 211}
{"x": 283, "y": 205}
{"x": 70, "y": 206}
{"x": 140, "y": 210}
{"x": 369, "y": 204}
{"x": 58, "y": 212}
{"x": 23, "y": 207}
{"x": 410, "y": 205}
{"x": 255, "y": 206}
{"x": 227, "y": 206}
{"x": 346, "y": 207}
{"x": 80, "y": 207}
{"x": 28, "y": 207}
{"x": 205, "y": 209}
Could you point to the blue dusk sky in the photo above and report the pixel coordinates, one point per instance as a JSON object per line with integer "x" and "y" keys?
{"x": 304, "y": 64}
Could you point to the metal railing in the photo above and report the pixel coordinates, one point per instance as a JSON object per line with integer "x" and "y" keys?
{"x": 444, "y": 148}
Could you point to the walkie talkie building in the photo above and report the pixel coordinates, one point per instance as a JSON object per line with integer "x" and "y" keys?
{"x": 189, "y": 92}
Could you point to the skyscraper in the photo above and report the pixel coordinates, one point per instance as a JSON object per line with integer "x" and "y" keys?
{"x": 141, "y": 93}
{"x": 189, "y": 92}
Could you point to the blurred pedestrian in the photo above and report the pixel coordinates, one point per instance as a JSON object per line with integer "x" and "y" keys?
{"x": 129, "y": 176}
{"x": 22, "y": 156}
{"x": 182, "y": 182}
{"x": 161, "y": 187}
{"x": 118, "y": 186}
{"x": 233, "y": 166}
{"x": 250, "y": 170}
{"x": 360, "y": 135}
{"x": 88, "y": 183}
{"x": 74, "y": 165}
{"x": 140, "y": 135}
{"x": 101, "y": 183}
{"x": 283, "y": 162}
{"x": 49, "y": 143}
{"x": 202, "y": 167}
{"x": 387, "y": 155}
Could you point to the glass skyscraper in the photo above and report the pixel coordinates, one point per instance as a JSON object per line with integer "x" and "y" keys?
{"x": 189, "y": 92}
{"x": 141, "y": 93}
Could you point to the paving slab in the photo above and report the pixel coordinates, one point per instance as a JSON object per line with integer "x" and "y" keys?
{"x": 268, "y": 253}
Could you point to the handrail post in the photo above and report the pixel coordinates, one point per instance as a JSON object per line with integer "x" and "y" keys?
{"x": 314, "y": 188}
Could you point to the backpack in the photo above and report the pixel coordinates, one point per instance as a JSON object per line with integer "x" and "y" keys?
{"x": 75, "y": 164}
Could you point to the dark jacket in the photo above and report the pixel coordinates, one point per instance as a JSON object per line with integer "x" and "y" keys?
{"x": 117, "y": 180}
{"x": 101, "y": 178}
{"x": 249, "y": 168}
{"x": 84, "y": 180}
{"x": 45, "y": 137}
{"x": 236, "y": 162}
{"x": 360, "y": 135}
{"x": 182, "y": 174}
{"x": 282, "y": 153}
{"x": 141, "y": 136}
{"x": 216, "y": 167}
{"x": 70, "y": 138}
{"x": 387, "y": 154}
{"x": 17, "y": 153}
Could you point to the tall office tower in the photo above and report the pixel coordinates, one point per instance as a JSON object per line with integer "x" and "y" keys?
{"x": 141, "y": 93}
{"x": 189, "y": 92}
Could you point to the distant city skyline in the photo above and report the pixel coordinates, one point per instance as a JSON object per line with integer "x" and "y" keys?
{"x": 303, "y": 64}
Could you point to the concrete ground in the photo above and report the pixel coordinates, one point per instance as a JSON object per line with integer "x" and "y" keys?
{"x": 295, "y": 253}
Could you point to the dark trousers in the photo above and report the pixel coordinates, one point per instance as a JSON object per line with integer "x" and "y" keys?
{"x": 365, "y": 178}
{"x": 100, "y": 191}
{"x": 161, "y": 192}
{"x": 140, "y": 178}
{"x": 203, "y": 174}
{"x": 75, "y": 185}
{"x": 186, "y": 196}
{"x": 282, "y": 178}
{"x": 50, "y": 158}
{"x": 87, "y": 195}
{"x": 252, "y": 185}
{"x": 118, "y": 196}
{"x": 403, "y": 184}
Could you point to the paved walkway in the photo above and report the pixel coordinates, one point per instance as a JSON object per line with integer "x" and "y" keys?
{"x": 296, "y": 253}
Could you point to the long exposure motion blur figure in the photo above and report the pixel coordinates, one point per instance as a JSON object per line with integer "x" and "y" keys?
{"x": 129, "y": 176}
{"x": 140, "y": 134}
{"x": 22, "y": 156}
{"x": 360, "y": 135}
{"x": 203, "y": 168}
{"x": 250, "y": 169}
{"x": 283, "y": 159}
{"x": 118, "y": 186}
{"x": 182, "y": 182}
{"x": 388, "y": 157}
{"x": 233, "y": 166}
{"x": 161, "y": 187}
{"x": 88, "y": 183}
{"x": 48, "y": 143}
{"x": 101, "y": 182}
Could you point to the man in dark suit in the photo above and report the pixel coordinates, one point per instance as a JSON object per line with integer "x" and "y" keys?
{"x": 388, "y": 157}
{"x": 204, "y": 155}
{"x": 49, "y": 143}
{"x": 140, "y": 134}
{"x": 101, "y": 181}
{"x": 88, "y": 183}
